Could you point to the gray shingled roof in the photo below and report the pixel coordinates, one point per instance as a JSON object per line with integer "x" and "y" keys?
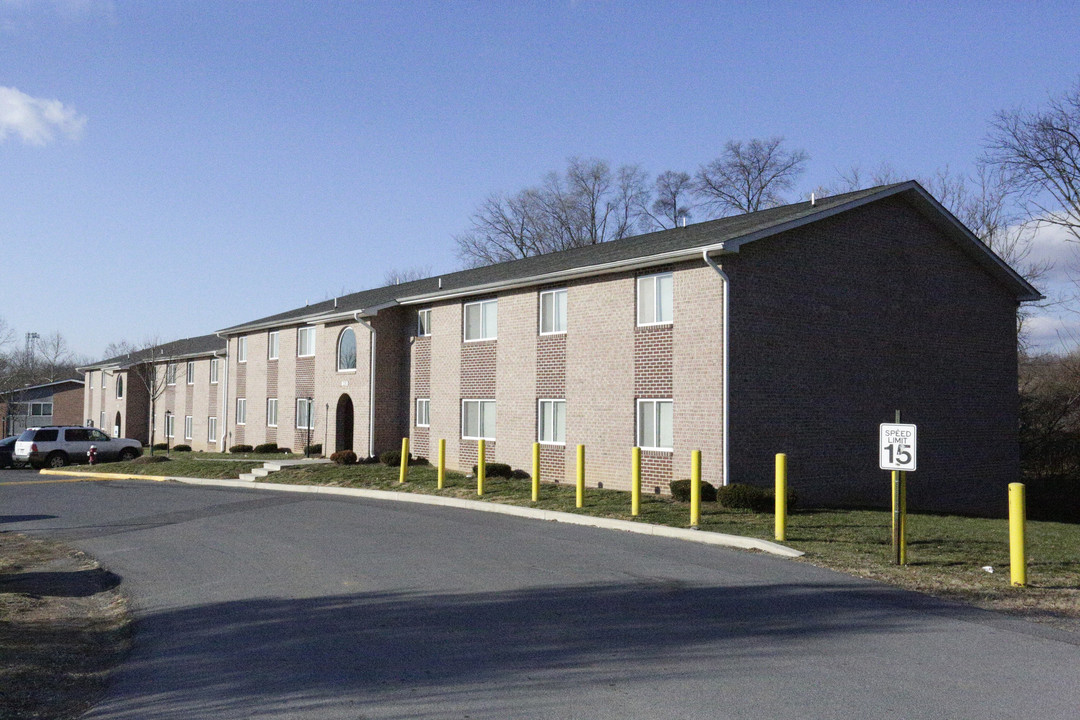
{"x": 656, "y": 244}
{"x": 188, "y": 347}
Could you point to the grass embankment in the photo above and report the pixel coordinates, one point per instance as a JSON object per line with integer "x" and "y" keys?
{"x": 179, "y": 466}
{"x": 946, "y": 554}
{"x": 63, "y": 627}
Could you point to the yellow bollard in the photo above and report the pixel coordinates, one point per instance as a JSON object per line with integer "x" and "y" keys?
{"x": 580, "y": 475}
{"x": 536, "y": 473}
{"x": 635, "y": 487}
{"x": 481, "y": 470}
{"x": 781, "y": 497}
{"x": 442, "y": 462}
{"x": 1017, "y": 521}
{"x": 404, "y": 460}
{"x": 695, "y": 488}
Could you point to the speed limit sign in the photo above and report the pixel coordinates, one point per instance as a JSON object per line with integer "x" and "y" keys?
{"x": 897, "y": 447}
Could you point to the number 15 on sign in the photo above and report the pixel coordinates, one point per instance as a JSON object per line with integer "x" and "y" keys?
{"x": 897, "y": 447}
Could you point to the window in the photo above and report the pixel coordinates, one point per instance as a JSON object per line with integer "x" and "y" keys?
{"x": 271, "y": 412}
{"x": 305, "y": 342}
{"x": 104, "y": 381}
{"x": 423, "y": 323}
{"x": 77, "y": 435}
{"x": 170, "y": 375}
{"x": 98, "y": 436}
{"x": 423, "y": 412}
{"x": 552, "y": 312}
{"x": 101, "y": 419}
{"x": 41, "y": 409}
{"x": 191, "y": 372}
{"x": 211, "y": 429}
{"x": 346, "y": 350}
{"x": 169, "y": 424}
{"x": 241, "y": 349}
{"x": 187, "y": 427}
{"x": 654, "y": 299}
{"x": 552, "y": 422}
{"x": 654, "y": 424}
{"x": 272, "y": 345}
{"x": 478, "y": 419}
{"x": 120, "y": 388}
{"x": 90, "y": 379}
{"x": 241, "y": 411}
{"x": 481, "y": 320}
{"x": 213, "y": 371}
{"x": 305, "y": 414}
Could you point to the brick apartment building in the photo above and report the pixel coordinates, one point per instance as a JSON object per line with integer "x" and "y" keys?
{"x": 54, "y": 403}
{"x": 184, "y": 375}
{"x": 828, "y": 316}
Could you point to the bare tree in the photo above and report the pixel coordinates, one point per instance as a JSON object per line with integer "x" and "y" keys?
{"x": 150, "y": 367}
{"x": 55, "y": 354}
{"x": 749, "y": 177}
{"x": 585, "y": 205}
{"x": 672, "y": 205}
{"x": 396, "y": 276}
{"x": 1039, "y": 153}
{"x": 122, "y": 347}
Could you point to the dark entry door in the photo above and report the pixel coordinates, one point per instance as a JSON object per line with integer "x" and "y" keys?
{"x": 344, "y": 433}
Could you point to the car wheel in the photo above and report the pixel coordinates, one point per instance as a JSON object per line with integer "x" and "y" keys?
{"x": 56, "y": 460}
{"x": 128, "y": 454}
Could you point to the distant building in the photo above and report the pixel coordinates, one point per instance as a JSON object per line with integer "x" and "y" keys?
{"x": 55, "y": 403}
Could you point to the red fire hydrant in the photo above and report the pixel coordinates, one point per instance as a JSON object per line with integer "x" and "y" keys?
{"x": 91, "y": 454}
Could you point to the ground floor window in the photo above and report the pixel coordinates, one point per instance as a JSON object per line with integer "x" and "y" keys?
{"x": 305, "y": 413}
{"x": 241, "y": 411}
{"x": 271, "y": 412}
{"x": 478, "y": 419}
{"x": 423, "y": 412}
{"x": 187, "y": 427}
{"x": 211, "y": 429}
{"x": 551, "y": 423}
{"x": 654, "y": 424}
{"x": 169, "y": 424}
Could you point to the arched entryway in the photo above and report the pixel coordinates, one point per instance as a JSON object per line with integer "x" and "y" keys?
{"x": 344, "y": 432}
{"x": 116, "y": 426}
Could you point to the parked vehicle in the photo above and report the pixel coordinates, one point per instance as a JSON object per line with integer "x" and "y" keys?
{"x": 62, "y": 445}
{"x": 7, "y": 453}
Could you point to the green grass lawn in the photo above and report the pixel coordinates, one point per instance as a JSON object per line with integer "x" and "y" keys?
{"x": 946, "y": 554}
{"x": 180, "y": 466}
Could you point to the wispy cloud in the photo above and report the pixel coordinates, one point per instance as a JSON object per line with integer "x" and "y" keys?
{"x": 35, "y": 120}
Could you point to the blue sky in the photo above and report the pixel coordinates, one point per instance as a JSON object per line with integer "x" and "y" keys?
{"x": 178, "y": 167}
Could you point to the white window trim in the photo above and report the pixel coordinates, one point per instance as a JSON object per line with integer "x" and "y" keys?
{"x": 428, "y": 413}
{"x": 188, "y": 423}
{"x": 273, "y": 345}
{"x": 637, "y": 416}
{"x": 211, "y": 428}
{"x": 475, "y": 400}
{"x": 170, "y": 425}
{"x": 189, "y": 372}
{"x": 300, "y": 331}
{"x": 241, "y": 350}
{"x": 540, "y": 311}
{"x": 214, "y": 370}
{"x": 539, "y": 421}
{"x": 419, "y": 327}
{"x": 119, "y": 388}
{"x": 276, "y": 408}
{"x": 241, "y": 417}
{"x": 170, "y": 374}
{"x": 465, "y": 321}
{"x": 337, "y": 354}
{"x": 637, "y": 299}
{"x": 310, "y": 414}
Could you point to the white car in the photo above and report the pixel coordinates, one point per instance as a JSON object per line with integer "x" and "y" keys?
{"x": 62, "y": 445}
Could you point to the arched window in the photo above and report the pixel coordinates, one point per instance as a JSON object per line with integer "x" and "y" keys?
{"x": 119, "y": 387}
{"x": 346, "y": 350}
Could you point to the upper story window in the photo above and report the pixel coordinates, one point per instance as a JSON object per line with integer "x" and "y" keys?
{"x": 120, "y": 388}
{"x": 213, "y": 371}
{"x": 273, "y": 343}
{"x": 346, "y": 350}
{"x": 552, "y": 312}
{"x": 423, "y": 323}
{"x": 90, "y": 379}
{"x": 170, "y": 375}
{"x": 191, "y": 372}
{"x": 241, "y": 350}
{"x": 41, "y": 409}
{"x": 305, "y": 342}
{"x": 654, "y": 299}
{"x": 481, "y": 320}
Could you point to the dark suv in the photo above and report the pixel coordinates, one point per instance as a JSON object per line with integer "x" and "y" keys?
{"x": 58, "y": 446}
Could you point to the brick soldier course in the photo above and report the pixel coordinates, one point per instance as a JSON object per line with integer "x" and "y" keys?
{"x": 841, "y": 311}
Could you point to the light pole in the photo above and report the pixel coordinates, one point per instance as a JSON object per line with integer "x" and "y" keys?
{"x": 310, "y": 419}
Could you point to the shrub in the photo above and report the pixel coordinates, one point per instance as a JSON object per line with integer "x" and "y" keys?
{"x": 288, "y": 451}
{"x": 182, "y": 448}
{"x": 419, "y": 461}
{"x": 680, "y": 490}
{"x": 312, "y": 449}
{"x": 751, "y": 497}
{"x": 240, "y": 449}
{"x": 160, "y": 446}
{"x": 495, "y": 470}
{"x": 373, "y": 460}
{"x": 520, "y": 475}
{"x": 343, "y": 457}
{"x": 392, "y": 458}
{"x": 266, "y": 448}
{"x": 150, "y": 459}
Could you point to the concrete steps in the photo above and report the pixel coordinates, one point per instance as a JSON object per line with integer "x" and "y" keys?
{"x": 276, "y": 465}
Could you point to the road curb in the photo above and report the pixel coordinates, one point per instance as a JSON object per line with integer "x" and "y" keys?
{"x": 699, "y": 536}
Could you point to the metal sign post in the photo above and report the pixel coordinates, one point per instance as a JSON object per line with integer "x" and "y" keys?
{"x": 896, "y": 452}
